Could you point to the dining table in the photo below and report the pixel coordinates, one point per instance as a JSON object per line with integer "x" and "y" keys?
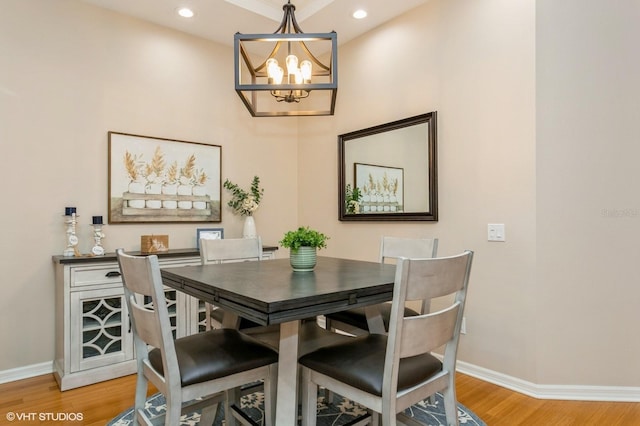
{"x": 271, "y": 292}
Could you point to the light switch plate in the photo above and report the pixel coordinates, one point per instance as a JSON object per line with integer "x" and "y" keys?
{"x": 496, "y": 232}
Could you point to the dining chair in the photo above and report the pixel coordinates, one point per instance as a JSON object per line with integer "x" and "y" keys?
{"x": 389, "y": 373}
{"x": 193, "y": 372}
{"x": 354, "y": 321}
{"x": 215, "y": 251}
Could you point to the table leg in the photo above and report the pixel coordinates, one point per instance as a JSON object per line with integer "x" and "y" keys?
{"x": 374, "y": 319}
{"x": 230, "y": 320}
{"x": 287, "y": 399}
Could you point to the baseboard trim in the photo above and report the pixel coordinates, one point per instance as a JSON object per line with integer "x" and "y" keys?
{"x": 563, "y": 392}
{"x": 26, "y": 372}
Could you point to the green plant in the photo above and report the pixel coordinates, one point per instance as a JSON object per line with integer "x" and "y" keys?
{"x": 352, "y": 198}
{"x": 304, "y": 237}
{"x": 245, "y": 202}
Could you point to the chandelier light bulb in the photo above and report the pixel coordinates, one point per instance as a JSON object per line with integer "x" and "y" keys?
{"x": 278, "y": 74}
{"x": 272, "y": 68}
{"x": 292, "y": 64}
{"x": 306, "y": 68}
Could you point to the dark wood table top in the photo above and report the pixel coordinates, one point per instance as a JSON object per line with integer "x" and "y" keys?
{"x": 270, "y": 292}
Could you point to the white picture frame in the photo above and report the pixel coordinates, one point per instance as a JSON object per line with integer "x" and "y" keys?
{"x": 209, "y": 233}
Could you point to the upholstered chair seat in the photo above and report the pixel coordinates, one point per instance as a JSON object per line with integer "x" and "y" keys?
{"x": 215, "y": 354}
{"x": 360, "y": 363}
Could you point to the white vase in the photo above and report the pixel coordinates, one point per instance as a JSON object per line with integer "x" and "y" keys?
{"x": 153, "y": 188}
{"x": 199, "y": 190}
{"x": 136, "y": 187}
{"x": 249, "y": 229}
{"x": 170, "y": 189}
{"x": 136, "y": 204}
{"x": 185, "y": 189}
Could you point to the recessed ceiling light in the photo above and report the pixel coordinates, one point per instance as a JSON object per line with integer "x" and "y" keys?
{"x": 185, "y": 12}
{"x": 360, "y": 14}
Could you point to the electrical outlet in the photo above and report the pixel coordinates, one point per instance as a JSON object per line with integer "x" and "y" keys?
{"x": 463, "y": 326}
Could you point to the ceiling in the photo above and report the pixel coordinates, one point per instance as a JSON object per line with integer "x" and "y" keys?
{"x": 219, "y": 20}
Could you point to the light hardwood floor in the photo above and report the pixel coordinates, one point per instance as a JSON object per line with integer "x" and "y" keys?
{"x": 497, "y": 406}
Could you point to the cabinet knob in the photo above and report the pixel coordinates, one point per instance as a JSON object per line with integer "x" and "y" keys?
{"x": 113, "y": 274}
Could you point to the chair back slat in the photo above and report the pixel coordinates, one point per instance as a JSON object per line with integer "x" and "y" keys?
{"x": 135, "y": 275}
{"x": 150, "y": 322}
{"x": 435, "y": 329}
{"x": 393, "y": 248}
{"x": 236, "y": 249}
{"x": 147, "y": 325}
{"x": 423, "y": 280}
{"x": 415, "y": 248}
{"x": 436, "y": 278}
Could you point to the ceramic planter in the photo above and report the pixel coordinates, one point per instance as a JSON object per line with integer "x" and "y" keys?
{"x": 303, "y": 259}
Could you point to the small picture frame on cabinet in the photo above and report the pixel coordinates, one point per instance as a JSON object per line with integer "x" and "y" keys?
{"x": 209, "y": 233}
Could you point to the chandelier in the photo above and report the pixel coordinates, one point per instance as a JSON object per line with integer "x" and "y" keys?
{"x": 287, "y": 73}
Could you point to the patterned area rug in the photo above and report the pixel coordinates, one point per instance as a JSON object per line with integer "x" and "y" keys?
{"x": 339, "y": 412}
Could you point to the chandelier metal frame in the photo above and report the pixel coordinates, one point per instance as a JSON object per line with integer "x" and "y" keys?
{"x": 261, "y": 96}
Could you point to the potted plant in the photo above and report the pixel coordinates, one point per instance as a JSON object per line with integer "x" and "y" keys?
{"x": 245, "y": 203}
{"x": 303, "y": 244}
{"x": 352, "y": 197}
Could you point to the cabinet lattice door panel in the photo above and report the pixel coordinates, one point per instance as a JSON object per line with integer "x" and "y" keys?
{"x": 175, "y": 306}
{"x": 102, "y": 328}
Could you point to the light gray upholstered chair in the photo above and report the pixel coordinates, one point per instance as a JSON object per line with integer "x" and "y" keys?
{"x": 354, "y": 321}
{"x": 215, "y": 251}
{"x": 204, "y": 365}
{"x": 389, "y": 373}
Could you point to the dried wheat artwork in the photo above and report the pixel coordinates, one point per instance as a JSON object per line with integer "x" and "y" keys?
{"x": 161, "y": 180}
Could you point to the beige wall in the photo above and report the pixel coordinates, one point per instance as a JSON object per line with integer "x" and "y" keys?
{"x": 69, "y": 73}
{"x": 536, "y": 102}
{"x": 473, "y": 62}
{"x": 588, "y": 204}
{"x": 530, "y": 314}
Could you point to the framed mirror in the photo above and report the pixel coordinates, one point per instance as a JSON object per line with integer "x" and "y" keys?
{"x": 389, "y": 172}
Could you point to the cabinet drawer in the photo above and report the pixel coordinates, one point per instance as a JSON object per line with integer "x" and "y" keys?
{"x": 103, "y": 274}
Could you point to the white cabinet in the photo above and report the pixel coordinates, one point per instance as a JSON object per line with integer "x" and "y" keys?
{"x": 94, "y": 341}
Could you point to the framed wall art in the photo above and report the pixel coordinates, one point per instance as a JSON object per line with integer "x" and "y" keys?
{"x": 209, "y": 233}
{"x": 382, "y": 188}
{"x": 162, "y": 180}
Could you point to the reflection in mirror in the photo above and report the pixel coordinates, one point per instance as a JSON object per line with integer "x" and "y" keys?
{"x": 388, "y": 172}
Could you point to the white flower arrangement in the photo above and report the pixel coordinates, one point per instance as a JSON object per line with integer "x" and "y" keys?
{"x": 245, "y": 203}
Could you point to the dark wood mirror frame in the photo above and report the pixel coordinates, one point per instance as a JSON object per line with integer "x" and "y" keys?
{"x": 428, "y": 210}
